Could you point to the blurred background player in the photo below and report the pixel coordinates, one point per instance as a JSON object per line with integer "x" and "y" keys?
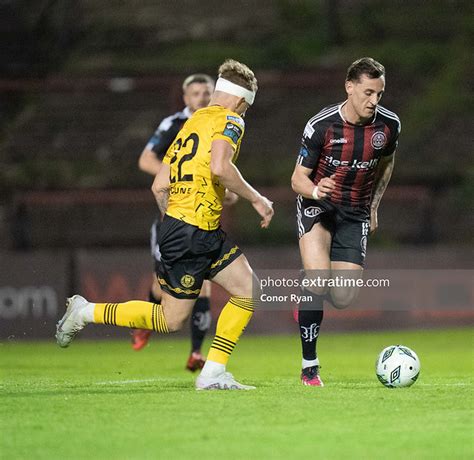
{"x": 197, "y": 90}
{"x": 190, "y": 190}
{"x": 344, "y": 166}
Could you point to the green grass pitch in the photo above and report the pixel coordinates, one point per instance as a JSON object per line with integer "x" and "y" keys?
{"x": 101, "y": 400}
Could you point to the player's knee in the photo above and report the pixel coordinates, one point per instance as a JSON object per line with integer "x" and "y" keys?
{"x": 343, "y": 298}
{"x": 316, "y": 281}
{"x": 176, "y": 319}
{"x": 244, "y": 287}
{"x": 175, "y": 324}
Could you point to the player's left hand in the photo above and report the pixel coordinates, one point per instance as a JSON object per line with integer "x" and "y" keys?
{"x": 373, "y": 221}
{"x": 265, "y": 208}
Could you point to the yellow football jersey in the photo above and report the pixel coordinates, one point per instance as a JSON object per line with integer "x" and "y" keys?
{"x": 195, "y": 195}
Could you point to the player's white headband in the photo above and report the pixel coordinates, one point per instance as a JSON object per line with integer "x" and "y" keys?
{"x": 231, "y": 88}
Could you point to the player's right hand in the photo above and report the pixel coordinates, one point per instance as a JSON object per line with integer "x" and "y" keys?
{"x": 265, "y": 208}
{"x": 326, "y": 186}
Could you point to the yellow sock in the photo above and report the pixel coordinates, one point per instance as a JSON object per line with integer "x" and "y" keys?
{"x": 136, "y": 314}
{"x": 231, "y": 324}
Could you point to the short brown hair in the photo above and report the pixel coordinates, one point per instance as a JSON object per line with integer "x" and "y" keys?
{"x": 198, "y": 78}
{"x": 365, "y": 66}
{"x": 238, "y": 73}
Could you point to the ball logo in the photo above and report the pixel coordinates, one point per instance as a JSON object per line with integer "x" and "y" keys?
{"x": 406, "y": 351}
{"x": 388, "y": 353}
{"x": 378, "y": 140}
{"x": 187, "y": 281}
{"x": 395, "y": 374}
{"x": 312, "y": 211}
{"x": 397, "y": 366}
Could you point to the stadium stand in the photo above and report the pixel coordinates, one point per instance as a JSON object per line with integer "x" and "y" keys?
{"x": 72, "y": 122}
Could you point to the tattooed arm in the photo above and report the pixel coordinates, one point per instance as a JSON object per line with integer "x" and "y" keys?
{"x": 382, "y": 178}
{"x": 161, "y": 197}
{"x": 161, "y": 187}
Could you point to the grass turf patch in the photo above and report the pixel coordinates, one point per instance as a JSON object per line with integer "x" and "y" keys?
{"x": 103, "y": 400}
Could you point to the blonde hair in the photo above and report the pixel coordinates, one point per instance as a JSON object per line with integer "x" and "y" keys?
{"x": 238, "y": 73}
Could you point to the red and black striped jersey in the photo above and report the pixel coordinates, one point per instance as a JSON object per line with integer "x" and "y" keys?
{"x": 331, "y": 145}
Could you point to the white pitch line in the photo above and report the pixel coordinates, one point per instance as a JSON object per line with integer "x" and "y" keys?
{"x": 459, "y": 384}
{"x": 127, "y": 382}
{"x": 134, "y": 381}
{"x": 445, "y": 384}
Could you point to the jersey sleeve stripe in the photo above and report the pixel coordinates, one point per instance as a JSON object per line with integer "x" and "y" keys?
{"x": 323, "y": 114}
{"x": 167, "y": 122}
{"x": 388, "y": 114}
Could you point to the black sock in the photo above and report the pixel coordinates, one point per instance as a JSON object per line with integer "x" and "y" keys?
{"x": 152, "y": 298}
{"x": 200, "y": 322}
{"x": 310, "y": 317}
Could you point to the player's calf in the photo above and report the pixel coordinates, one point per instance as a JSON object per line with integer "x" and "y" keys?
{"x": 135, "y": 313}
{"x": 310, "y": 318}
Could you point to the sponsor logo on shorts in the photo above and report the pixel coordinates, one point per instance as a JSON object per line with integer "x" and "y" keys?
{"x": 313, "y": 211}
{"x": 379, "y": 139}
{"x": 363, "y": 240}
{"x": 187, "y": 281}
{"x": 365, "y": 228}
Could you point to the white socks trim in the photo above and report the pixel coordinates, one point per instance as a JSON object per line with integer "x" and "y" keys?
{"x": 88, "y": 312}
{"x": 309, "y": 363}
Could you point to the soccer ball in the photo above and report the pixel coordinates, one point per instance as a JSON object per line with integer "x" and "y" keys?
{"x": 397, "y": 366}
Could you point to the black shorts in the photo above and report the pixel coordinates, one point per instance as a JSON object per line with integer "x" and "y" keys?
{"x": 349, "y": 227}
{"x": 190, "y": 255}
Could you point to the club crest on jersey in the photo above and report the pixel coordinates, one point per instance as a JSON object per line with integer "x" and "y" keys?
{"x": 312, "y": 211}
{"x": 379, "y": 139}
{"x": 187, "y": 281}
